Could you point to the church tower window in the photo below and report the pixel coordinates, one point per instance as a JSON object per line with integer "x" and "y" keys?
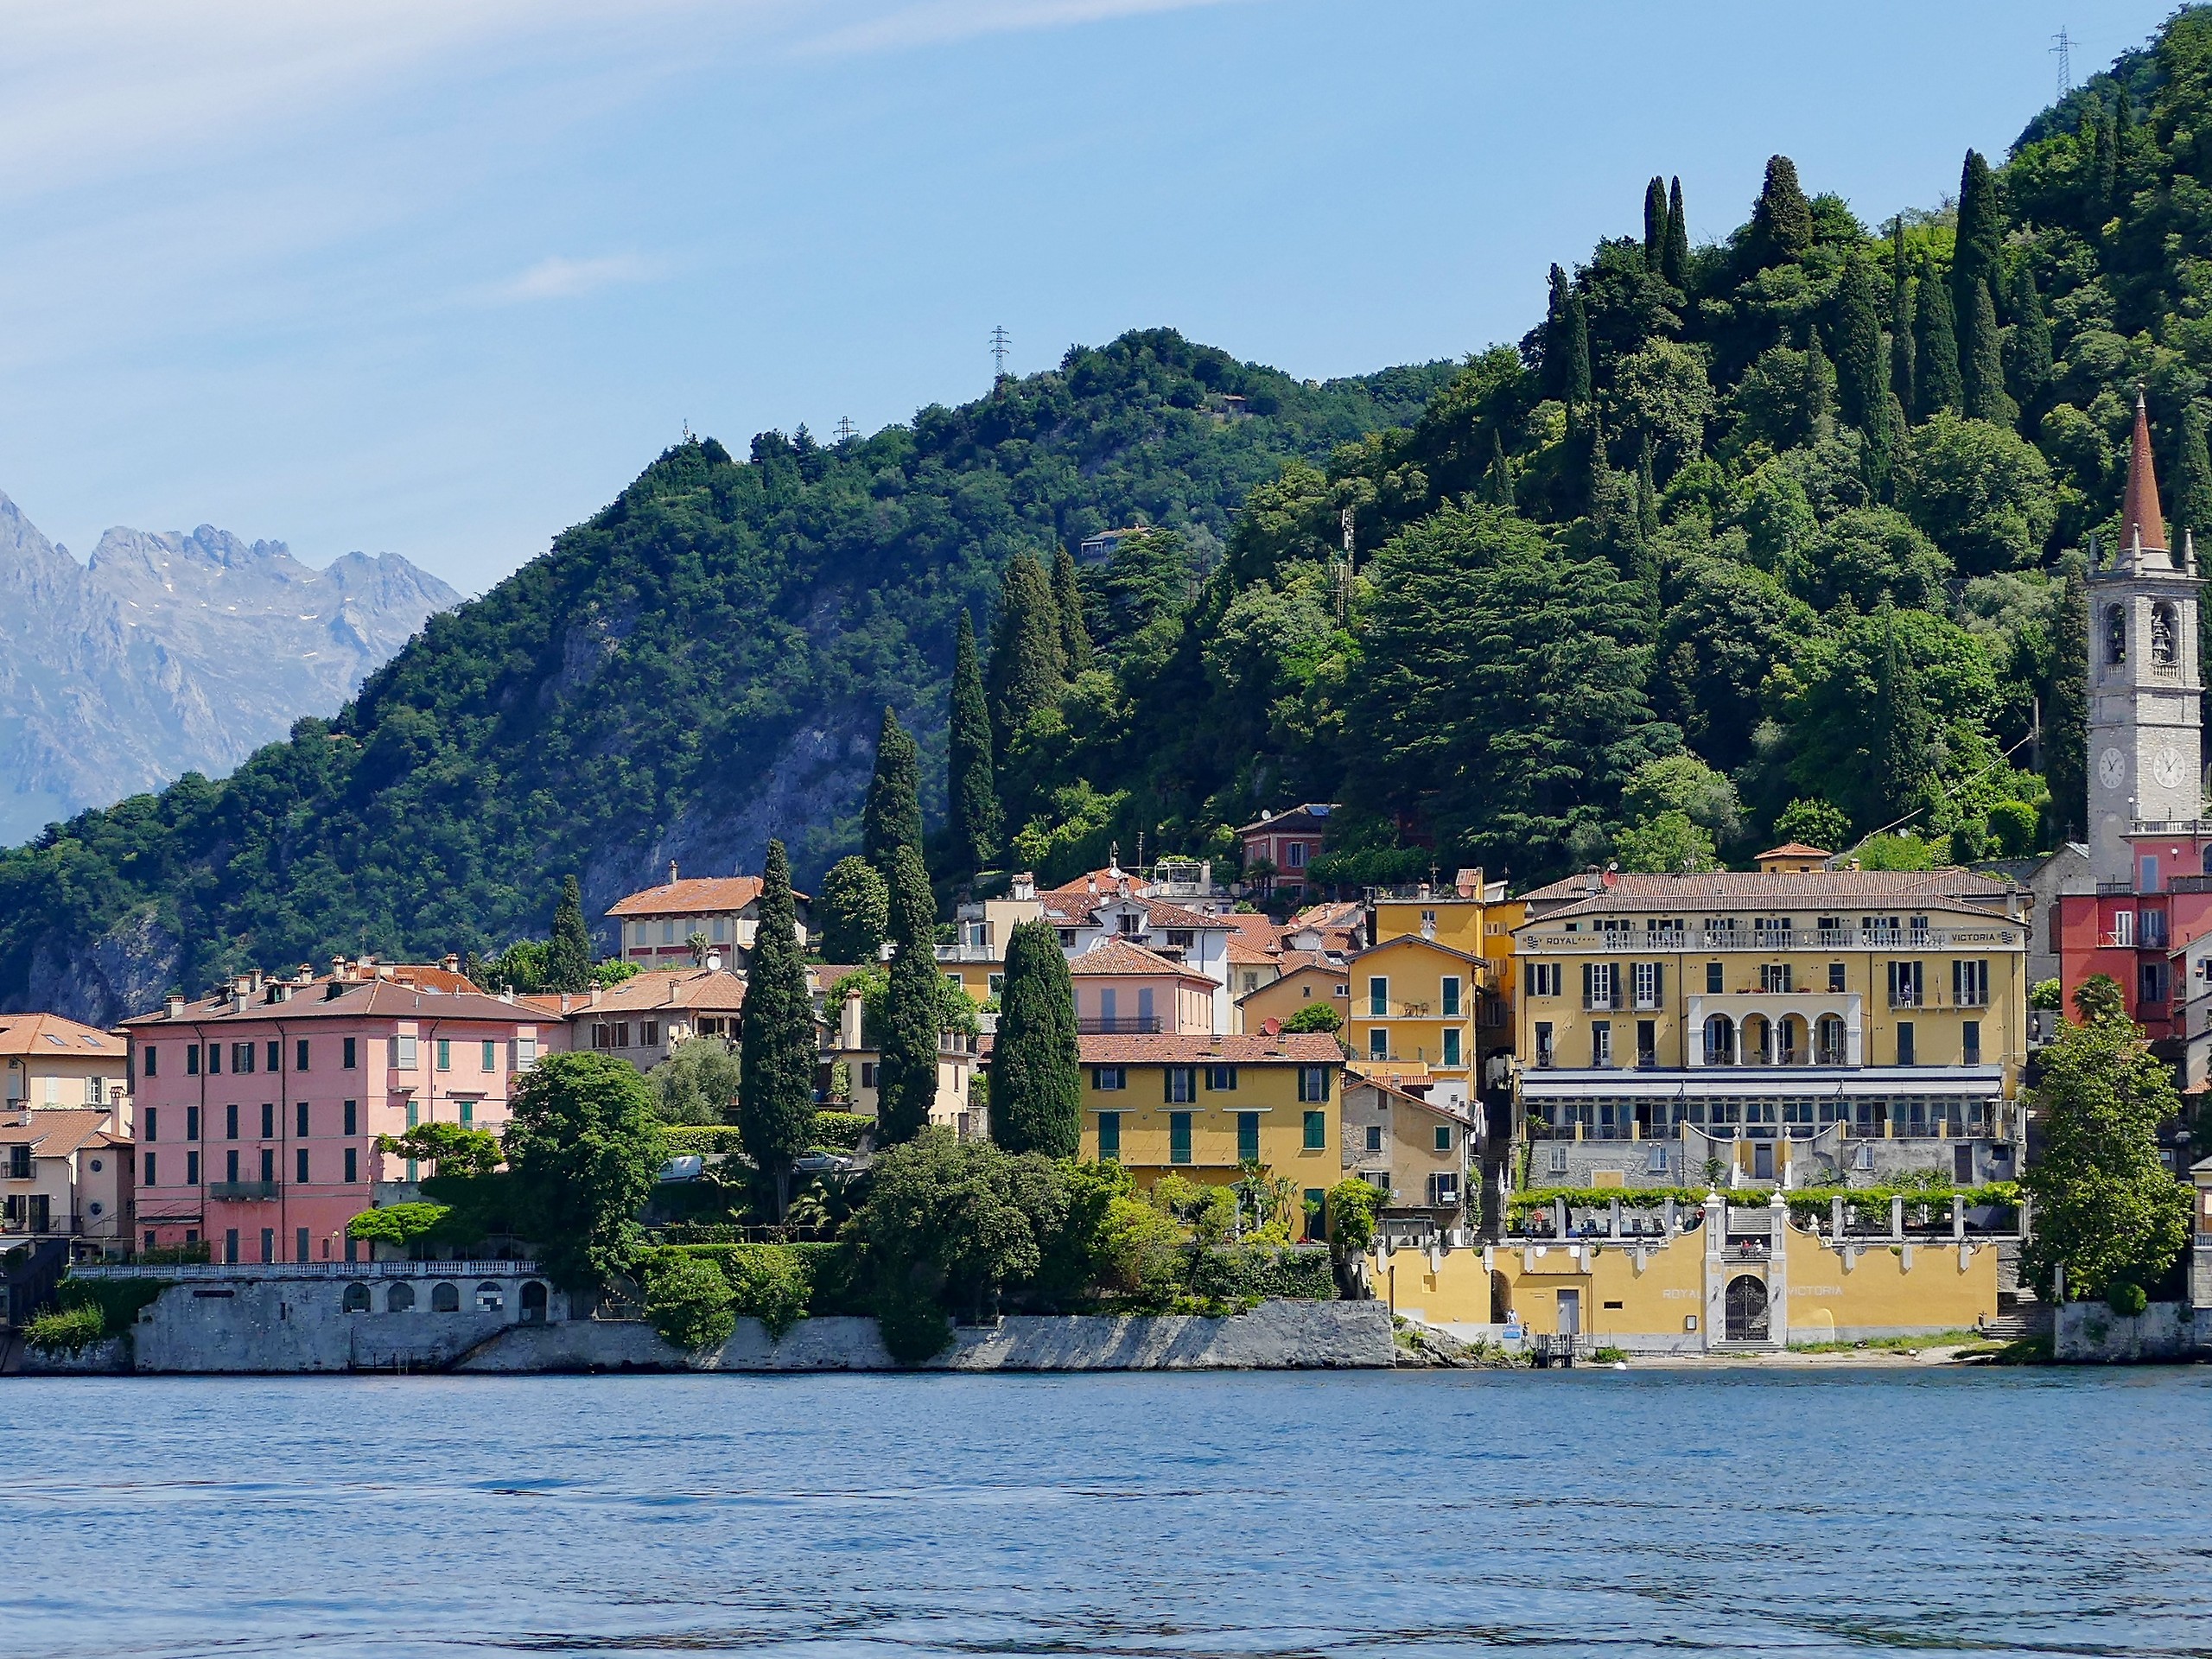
{"x": 2115, "y": 634}
{"x": 2162, "y": 636}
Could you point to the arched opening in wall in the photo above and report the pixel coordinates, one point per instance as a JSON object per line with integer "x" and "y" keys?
{"x": 1719, "y": 1041}
{"x": 1747, "y": 1309}
{"x": 2115, "y": 634}
{"x": 1790, "y": 1030}
{"x": 488, "y": 1299}
{"x": 445, "y": 1297}
{"x": 1757, "y": 1040}
{"x": 356, "y": 1299}
{"x": 533, "y": 1303}
{"x": 2166, "y": 641}
{"x": 1501, "y": 1297}
{"x": 400, "y": 1298}
{"x": 1830, "y": 1040}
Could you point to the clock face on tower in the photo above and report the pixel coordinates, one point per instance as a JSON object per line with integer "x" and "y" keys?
{"x": 2165, "y": 766}
{"x": 2112, "y": 767}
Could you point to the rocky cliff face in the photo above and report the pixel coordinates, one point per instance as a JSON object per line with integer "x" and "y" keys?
{"x": 174, "y": 653}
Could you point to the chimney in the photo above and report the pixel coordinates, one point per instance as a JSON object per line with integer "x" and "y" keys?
{"x": 254, "y": 980}
{"x": 338, "y": 969}
{"x": 176, "y": 1006}
{"x": 594, "y": 996}
{"x": 671, "y": 872}
{"x": 305, "y": 975}
{"x": 451, "y": 964}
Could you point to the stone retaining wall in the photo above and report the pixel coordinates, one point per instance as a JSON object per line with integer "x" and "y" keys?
{"x": 2091, "y": 1333}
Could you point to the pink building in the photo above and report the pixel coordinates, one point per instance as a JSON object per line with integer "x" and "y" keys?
{"x": 259, "y": 1108}
{"x": 1121, "y": 988}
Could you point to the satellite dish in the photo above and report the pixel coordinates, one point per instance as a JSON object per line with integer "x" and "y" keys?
{"x": 714, "y": 962}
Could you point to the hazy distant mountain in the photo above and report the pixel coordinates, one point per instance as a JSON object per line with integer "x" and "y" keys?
{"x": 174, "y": 653}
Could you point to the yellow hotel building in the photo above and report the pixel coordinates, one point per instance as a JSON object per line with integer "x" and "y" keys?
{"x": 1795, "y": 1023}
{"x": 1203, "y": 1107}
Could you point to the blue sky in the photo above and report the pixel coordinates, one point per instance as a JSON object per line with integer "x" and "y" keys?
{"x": 438, "y": 277}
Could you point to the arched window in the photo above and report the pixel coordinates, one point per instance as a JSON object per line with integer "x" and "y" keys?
{"x": 1831, "y": 1040}
{"x": 2115, "y": 634}
{"x": 356, "y": 1299}
{"x": 488, "y": 1298}
{"x": 1719, "y": 1041}
{"x": 533, "y": 1303}
{"x": 400, "y": 1298}
{"x": 445, "y": 1297}
{"x": 2163, "y": 653}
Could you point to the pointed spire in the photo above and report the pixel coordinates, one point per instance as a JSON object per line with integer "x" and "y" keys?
{"x": 2142, "y": 526}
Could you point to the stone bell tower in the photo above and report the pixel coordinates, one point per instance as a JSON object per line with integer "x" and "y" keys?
{"x": 2145, "y": 725}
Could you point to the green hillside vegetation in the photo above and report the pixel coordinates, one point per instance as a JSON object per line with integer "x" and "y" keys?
{"x": 669, "y": 658}
{"x": 1776, "y": 536}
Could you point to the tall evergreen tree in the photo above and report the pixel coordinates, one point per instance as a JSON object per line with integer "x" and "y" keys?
{"x": 1936, "y": 366}
{"x": 1674, "y": 262}
{"x": 1647, "y": 494}
{"x": 892, "y": 816}
{"x": 1499, "y": 485}
{"x": 2066, "y": 709}
{"x": 1782, "y": 218}
{"x": 1981, "y": 372}
{"x": 775, "y": 1090}
{"x": 568, "y": 956}
{"x": 2030, "y": 342}
{"x": 1904, "y": 733}
{"x": 1654, "y": 225}
{"x": 1026, "y": 662}
{"x": 1862, "y": 376}
{"x": 912, "y": 1011}
{"x": 2104, "y": 170}
{"x": 1820, "y": 389}
{"x": 1036, "y": 1075}
{"x": 1554, "y": 365}
{"x": 1578, "y": 354}
{"x": 1975, "y": 257}
{"x": 1067, "y": 599}
{"x": 1901, "y": 336}
{"x": 971, "y": 792}
{"x": 2192, "y": 494}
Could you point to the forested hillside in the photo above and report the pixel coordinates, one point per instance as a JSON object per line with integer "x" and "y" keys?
{"x": 700, "y": 665}
{"x": 1766, "y": 537}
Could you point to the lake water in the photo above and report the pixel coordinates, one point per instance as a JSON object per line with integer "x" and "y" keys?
{"x": 1811, "y": 1512}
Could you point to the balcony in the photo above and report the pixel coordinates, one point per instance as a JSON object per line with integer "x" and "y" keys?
{"x": 970, "y": 953}
{"x": 2000, "y": 935}
{"x": 1120, "y": 1025}
{"x": 247, "y": 1191}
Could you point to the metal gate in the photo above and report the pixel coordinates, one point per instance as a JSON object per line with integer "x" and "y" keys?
{"x": 1747, "y": 1309}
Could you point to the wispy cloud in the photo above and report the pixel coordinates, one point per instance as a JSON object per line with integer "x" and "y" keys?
{"x": 557, "y": 279}
{"x": 933, "y": 22}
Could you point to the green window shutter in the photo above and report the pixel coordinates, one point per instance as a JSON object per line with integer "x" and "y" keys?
{"x": 1109, "y": 1136}
{"x": 1248, "y": 1137}
{"x": 1178, "y": 1137}
{"x": 1589, "y": 982}
{"x": 1317, "y": 1129}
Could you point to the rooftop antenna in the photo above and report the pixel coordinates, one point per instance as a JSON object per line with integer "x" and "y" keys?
{"x": 1001, "y": 343}
{"x": 846, "y": 431}
{"x": 2061, "y": 48}
{"x": 687, "y": 429}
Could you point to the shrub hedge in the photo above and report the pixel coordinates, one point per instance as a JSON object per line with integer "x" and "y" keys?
{"x": 780, "y": 1284}
{"x": 67, "y": 1330}
{"x": 841, "y": 1131}
{"x": 702, "y": 1138}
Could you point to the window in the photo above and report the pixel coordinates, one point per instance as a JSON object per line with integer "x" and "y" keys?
{"x": 1970, "y": 984}
{"x": 2115, "y": 635}
{"x": 1378, "y": 1043}
{"x": 1109, "y": 1136}
{"x": 300, "y": 1119}
{"x": 2151, "y": 982}
{"x": 445, "y": 1053}
{"x": 1905, "y": 985}
{"x": 151, "y": 1117}
{"x": 151, "y": 1179}
{"x": 1540, "y": 978}
{"x": 2146, "y": 879}
{"x": 402, "y": 1054}
{"x": 1248, "y": 1137}
{"x": 346, "y": 1058}
{"x": 1374, "y": 1136}
{"x": 1775, "y": 977}
{"x": 1220, "y": 1079}
{"x": 721, "y": 929}
{"x": 231, "y": 1167}
{"x": 1178, "y": 1137}
{"x": 1714, "y": 983}
{"x": 192, "y": 1123}
{"x": 152, "y": 1061}
{"x": 1449, "y": 1000}
{"x": 215, "y": 1054}
{"x": 996, "y": 983}
{"x": 1654, "y": 1161}
{"x": 268, "y": 1165}
{"x": 525, "y": 1052}
{"x": 1543, "y": 1042}
{"x": 1312, "y": 1083}
{"x": 1601, "y": 1042}
{"x": 1452, "y": 1046}
{"x": 192, "y": 1169}
{"x": 1294, "y": 855}
{"x": 241, "y": 1057}
{"x": 275, "y": 1055}
{"x": 1906, "y": 1043}
{"x": 1180, "y": 1083}
{"x": 299, "y": 1055}
{"x": 1317, "y": 1205}
{"x": 191, "y": 1060}
{"x": 350, "y": 1112}
{"x": 1443, "y": 1190}
{"x": 353, "y": 1166}
{"x": 668, "y": 933}
{"x": 1835, "y": 976}
{"x": 230, "y": 1121}
{"x": 1601, "y": 985}
{"x": 2123, "y": 927}
{"x": 1444, "y": 1137}
{"x": 413, "y": 1114}
{"x": 491, "y": 1052}
{"x": 300, "y": 1165}
{"x": 1970, "y": 1031}
{"x": 1108, "y": 1078}
{"x": 1557, "y": 1162}
{"x": 1647, "y": 980}
{"x": 868, "y": 1074}
{"x": 468, "y": 1114}
{"x": 1378, "y": 997}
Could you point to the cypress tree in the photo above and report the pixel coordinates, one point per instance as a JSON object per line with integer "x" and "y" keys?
{"x": 1067, "y": 600}
{"x": 775, "y": 1088}
{"x": 1578, "y": 354}
{"x": 1982, "y": 373}
{"x": 912, "y": 1012}
{"x": 1902, "y": 730}
{"x": 1654, "y": 225}
{"x": 1901, "y": 375}
{"x": 1782, "y": 219}
{"x": 1554, "y": 375}
{"x": 1026, "y": 662}
{"x": 892, "y": 817}
{"x": 1036, "y": 1075}
{"x": 1974, "y": 257}
{"x": 2066, "y": 709}
{"x": 1499, "y": 482}
{"x": 971, "y": 791}
{"x": 2104, "y": 170}
{"x": 2031, "y": 343}
{"x": 1935, "y": 368}
{"x": 2192, "y": 494}
{"x": 1862, "y": 378}
{"x": 567, "y": 958}
{"x": 1675, "y": 264}
{"x": 1820, "y": 389}
{"x": 1647, "y": 495}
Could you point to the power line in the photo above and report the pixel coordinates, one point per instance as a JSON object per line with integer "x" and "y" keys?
{"x": 1001, "y": 343}
{"x": 2061, "y": 48}
{"x": 846, "y": 431}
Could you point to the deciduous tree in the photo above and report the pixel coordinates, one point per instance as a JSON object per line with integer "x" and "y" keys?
{"x": 583, "y": 1149}
{"x": 855, "y": 907}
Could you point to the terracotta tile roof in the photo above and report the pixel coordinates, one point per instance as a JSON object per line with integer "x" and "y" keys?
{"x": 1298, "y": 960}
{"x": 377, "y": 999}
{"x": 1356, "y": 1077}
{"x": 1096, "y": 884}
{"x": 1308, "y": 817}
{"x": 49, "y": 1036}
{"x": 1115, "y": 957}
{"x": 1795, "y": 849}
{"x": 1758, "y": 890}
{"x": 1163, "y": 914}
{"x": 53, "y": 1131}
{"x": 1252, "y": 956}
{"x": 695, "y": 895}
{"x": 1294, "y": 1048}
{"x": 1403, "y": 940}
{"x": 711, "y": 990}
